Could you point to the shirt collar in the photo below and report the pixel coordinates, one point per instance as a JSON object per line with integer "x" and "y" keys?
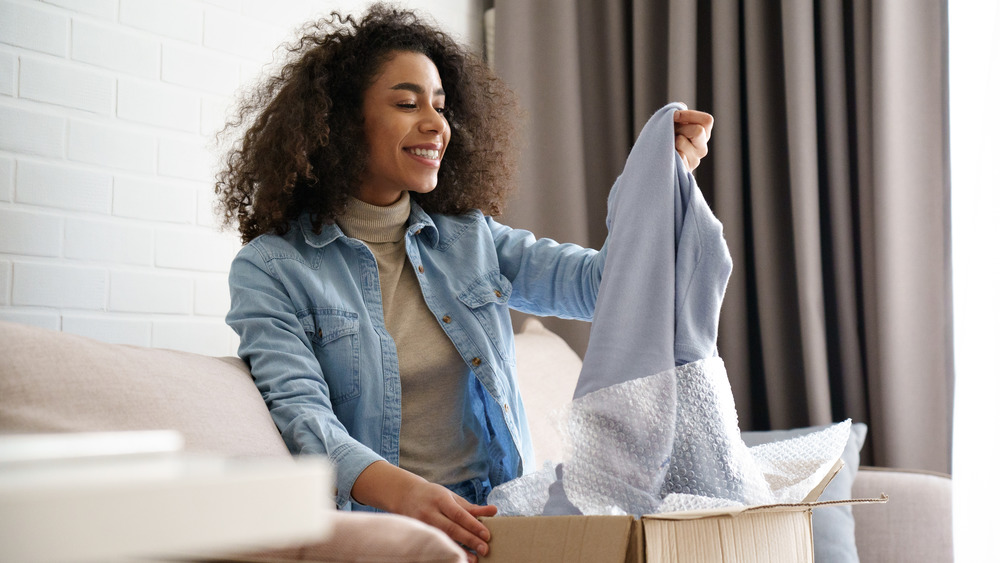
{"x": 419, "y": 223}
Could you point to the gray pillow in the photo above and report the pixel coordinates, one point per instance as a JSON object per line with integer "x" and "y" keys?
{"x": 833, "y": 526}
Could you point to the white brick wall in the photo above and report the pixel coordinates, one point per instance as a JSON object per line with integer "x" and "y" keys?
{"x": 178, "y": 19}
{"x": 116, "y": 48}
{"x": 193, "y": 67}
{"x": 29, "y": 233}
{"x": 8, "y": 64}
{"x": 51, "y": 285}
{"x": 34, "y": 27}
{"x": 52, "y": 185}
{"x": 153, "y": 103}
{"x": 213, "y": 115}
{"x": 182, "y": 158}
{"x": 103, "y": 9}
{"x": 112, "y": 146}
{"x": 211, "y": 296}
{"x": 4, "y": 282}
{"x": 205, "y": 251}
{"x": 107, "y": 113}
{"x": 6, "y": 178}
{"x": 30, "y": 132}
{"x": 137, "y": 332}
{"x": 240, "y": 35}
{"x": 154, "y": 200}
{"x": 206, "y": 207}
{"x": 39, "y": 317}
{"x": 105, "y": 241}
{"x": 202, "y": 337}
{"x": 66, "y": 85}
{"x": 151, "y": 293}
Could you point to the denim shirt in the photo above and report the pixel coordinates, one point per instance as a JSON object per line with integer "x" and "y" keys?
{"x": 308, "y": 310}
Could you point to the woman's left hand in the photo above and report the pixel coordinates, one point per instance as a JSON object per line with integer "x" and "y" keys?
{"x": 692, "y": 130}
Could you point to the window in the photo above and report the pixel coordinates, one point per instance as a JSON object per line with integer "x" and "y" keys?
{"x": 974, "y": 65}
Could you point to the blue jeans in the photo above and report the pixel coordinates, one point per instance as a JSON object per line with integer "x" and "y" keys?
{"x": 473, "y": 490}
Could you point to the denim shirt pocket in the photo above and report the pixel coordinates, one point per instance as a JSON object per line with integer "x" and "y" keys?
{"x": 487, "y": 298}
{"x": 334, "y": 334}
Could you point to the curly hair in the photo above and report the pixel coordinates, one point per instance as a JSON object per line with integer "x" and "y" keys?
{"x": 301, "y": 145}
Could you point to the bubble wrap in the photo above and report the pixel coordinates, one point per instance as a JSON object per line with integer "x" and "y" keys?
{"x": 670, "y": 442}
{"x": 619, "y": 442}
{"x": 525, "y": 495}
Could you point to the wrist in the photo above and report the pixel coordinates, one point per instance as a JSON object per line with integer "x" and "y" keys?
{"x": 384, "y": 486}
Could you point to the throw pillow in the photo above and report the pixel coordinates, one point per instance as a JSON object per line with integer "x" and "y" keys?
{"x": 833, "y": 526}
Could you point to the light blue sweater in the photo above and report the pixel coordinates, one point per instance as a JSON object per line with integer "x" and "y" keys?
{"x": 666, "y": 270}
{"x": 658, "y": 304}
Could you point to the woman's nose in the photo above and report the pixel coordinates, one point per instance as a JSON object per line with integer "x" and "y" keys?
{"x": 433, "y": 121}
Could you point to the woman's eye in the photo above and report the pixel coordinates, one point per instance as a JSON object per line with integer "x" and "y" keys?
{"x": 407, "y": 105}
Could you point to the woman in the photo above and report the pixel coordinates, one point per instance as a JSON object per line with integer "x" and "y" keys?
{"x": 371, "y": 298}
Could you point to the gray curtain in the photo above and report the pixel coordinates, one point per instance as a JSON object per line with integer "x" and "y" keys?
{"x": 828, "y": 166}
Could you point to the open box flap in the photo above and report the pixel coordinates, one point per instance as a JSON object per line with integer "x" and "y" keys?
{"x": 789, "y": 507}
{"x": 815, "y": 493}
{"x": 811, "y": 501}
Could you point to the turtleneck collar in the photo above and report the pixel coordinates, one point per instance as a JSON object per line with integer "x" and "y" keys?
{"x": 373, "y": 223}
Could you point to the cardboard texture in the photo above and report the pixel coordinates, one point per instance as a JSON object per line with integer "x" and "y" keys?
{"x": 559, "y": 538}
{"x": 748, "y": 537}
{"x": 757, "y": 534}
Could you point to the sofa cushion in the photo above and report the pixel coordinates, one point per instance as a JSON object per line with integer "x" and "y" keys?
{"x": 916, "y": 523}
{"x": 547, "y": 370}
{"x": 58, "y": 382}
{"x": 833, "y": 526}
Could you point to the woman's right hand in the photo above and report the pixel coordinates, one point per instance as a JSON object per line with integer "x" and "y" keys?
{"x": 385, "y": 486}
{"x": 443, "y": 509}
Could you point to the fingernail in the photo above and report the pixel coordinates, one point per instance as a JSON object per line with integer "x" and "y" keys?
{"x": 482, "y": 549}
{"x": 485, "y": 535}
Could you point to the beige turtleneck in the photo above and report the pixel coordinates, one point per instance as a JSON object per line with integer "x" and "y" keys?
{"x": 436, "y": 440}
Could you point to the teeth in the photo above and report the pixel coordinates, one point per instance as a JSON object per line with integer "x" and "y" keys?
{"x": 425, "y": 153}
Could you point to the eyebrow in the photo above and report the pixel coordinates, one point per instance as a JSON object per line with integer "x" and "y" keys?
{"x": 415, "y": 88}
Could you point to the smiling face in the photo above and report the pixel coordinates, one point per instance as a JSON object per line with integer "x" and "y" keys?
{"x": 405, "y": 129}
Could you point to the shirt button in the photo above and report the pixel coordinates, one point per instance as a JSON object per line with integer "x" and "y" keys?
{"x": 420, "y": 269}
{"x": 319, "y": 333}
{"x": 497, "y": 291}
{"x": 446, "y": 319}
{"x": 506, "y": 407}
{"x": 476, "y": 362}
{"x": 418, "y": 231}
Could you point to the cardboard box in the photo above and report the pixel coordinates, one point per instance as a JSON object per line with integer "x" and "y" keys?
{"x": 771, "y": 533}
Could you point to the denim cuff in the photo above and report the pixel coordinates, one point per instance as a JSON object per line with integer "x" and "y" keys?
{"x": 350, "y": 459}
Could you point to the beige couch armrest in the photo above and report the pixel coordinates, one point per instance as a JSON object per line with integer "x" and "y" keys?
{"x": 915, "y": 525}
{"x": 59, "y": 382}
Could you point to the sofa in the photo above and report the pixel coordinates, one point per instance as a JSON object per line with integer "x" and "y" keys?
{"x": 59, "y": 382}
